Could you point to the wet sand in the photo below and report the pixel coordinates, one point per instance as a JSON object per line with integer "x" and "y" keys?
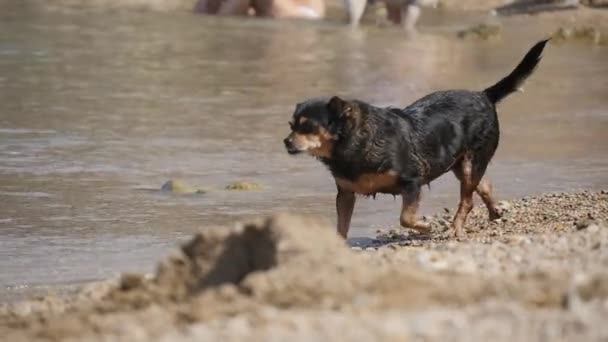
{"x": 538, "y": 273}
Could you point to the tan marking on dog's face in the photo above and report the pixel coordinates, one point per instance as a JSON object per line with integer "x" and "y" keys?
{"x": 305, "y": 142}
{"x": 370, "y": 183}
{"x": 316, "y": 144}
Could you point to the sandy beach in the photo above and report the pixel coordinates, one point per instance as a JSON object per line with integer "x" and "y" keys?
{"x": 538, "y": 273}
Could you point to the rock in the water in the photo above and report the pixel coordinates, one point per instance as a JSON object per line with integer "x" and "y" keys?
{"x": 243, "y": 186}
{"x": 481, "y": 31}
{"x": 179, "y": 187}
{"x": 587, "y": 34}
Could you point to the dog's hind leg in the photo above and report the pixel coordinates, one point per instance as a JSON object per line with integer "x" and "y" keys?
{"x": 469, "y": 172}
{"x": 345, "y": 203}
{"x": 411, "y": 201}
{"x": 484, "y": 190}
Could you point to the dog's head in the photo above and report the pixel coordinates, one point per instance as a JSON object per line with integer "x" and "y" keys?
{"x": 316, "y": 123}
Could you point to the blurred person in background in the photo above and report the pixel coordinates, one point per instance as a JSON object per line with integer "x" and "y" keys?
{"x": 305, "y": 9}
{"x": 399, "y": 12}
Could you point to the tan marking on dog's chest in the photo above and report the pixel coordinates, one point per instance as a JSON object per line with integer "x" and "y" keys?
{"x": 370, "y": 183}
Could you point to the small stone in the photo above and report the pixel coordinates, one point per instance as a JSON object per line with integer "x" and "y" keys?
{"x": 356, "y": 248}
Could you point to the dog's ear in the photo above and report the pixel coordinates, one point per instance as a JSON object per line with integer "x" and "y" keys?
{"x": 339, "y": 108}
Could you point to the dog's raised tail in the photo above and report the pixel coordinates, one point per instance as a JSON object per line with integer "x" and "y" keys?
{"x": 516, "y": 78}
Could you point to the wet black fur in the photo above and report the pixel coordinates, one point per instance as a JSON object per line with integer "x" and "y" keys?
{"x": 420, "y": 142}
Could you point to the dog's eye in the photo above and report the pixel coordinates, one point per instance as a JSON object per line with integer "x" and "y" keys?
{"x": 307, "y": 127}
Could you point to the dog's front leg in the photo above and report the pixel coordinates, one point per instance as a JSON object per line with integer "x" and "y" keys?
{"x": 411, "y": 201}
{"x": 345, "y": 203}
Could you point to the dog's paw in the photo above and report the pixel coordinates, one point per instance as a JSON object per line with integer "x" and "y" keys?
{"x": 456, "y": 233}
{"x": 422, "y": 227}
{"x": 495, "y": 214}
{"x": 499, "y": 210}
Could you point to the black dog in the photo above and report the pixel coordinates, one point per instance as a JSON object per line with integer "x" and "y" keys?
{"x": 373, "y": 150}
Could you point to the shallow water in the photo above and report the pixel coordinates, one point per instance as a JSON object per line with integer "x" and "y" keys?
{"x": 95, "y": 106}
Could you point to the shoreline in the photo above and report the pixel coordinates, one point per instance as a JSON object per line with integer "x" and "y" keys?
{"x": 542, "y": 265}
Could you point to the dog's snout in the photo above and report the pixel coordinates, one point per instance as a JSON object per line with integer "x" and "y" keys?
{"x": 289, "y": 145}
{"x": 288, "y": 141}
